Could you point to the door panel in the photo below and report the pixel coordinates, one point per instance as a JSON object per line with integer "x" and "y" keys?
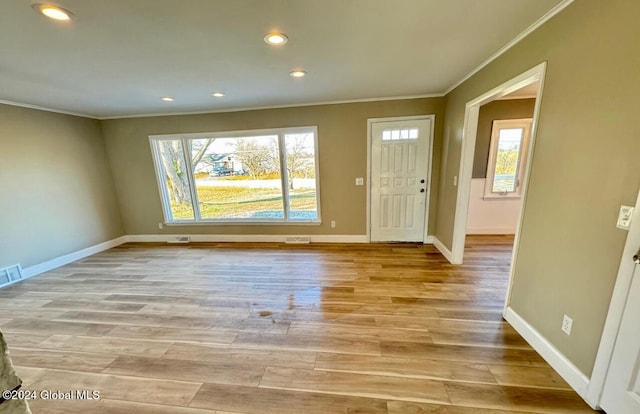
{"x": 621, "y": 393}
{"x": 400, "y": 166}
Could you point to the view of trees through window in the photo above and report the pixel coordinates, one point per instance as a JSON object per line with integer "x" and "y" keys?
{"x": 253, "y": 178}
{"x": 507, "y": 160}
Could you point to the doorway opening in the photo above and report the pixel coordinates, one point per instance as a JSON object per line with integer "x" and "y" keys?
{"x": 505, "y": 184}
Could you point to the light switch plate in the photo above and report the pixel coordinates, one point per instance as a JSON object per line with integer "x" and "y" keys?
{"x": 624, "y": 217}
{"x": 567, "y": 325}
{"x": 359, "y": 181}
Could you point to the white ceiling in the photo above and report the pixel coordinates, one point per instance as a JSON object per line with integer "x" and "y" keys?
{"x": 529, "y": 91}
{"x": 118, "y": 57}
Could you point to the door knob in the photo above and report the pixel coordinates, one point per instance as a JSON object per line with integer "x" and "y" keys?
{"x": 422, "y": 181}
{"x": 636, "y": 258}
{"x": 422, "y": 190}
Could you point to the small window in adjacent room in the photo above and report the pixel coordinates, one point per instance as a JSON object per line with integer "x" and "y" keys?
{"x": 268, "y": 176}
{"x": 507, "y": 158}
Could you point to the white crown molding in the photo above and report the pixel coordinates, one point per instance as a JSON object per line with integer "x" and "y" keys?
{"x": 46, "y": 109}
{"x": 542, "y": 20}
{"x": 213, "y": 111}
{"x": 258, "y": 108}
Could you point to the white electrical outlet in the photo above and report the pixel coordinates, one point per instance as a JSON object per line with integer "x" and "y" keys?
{"x": 624, "y": 217}
{"x": 567, "y": 324}
{"x": 359, "y": 181}
{"x": 333, "y": 224}
{"x": 160, "y": 226}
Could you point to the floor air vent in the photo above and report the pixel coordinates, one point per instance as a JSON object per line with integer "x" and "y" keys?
{"x": 298, "y": 239}
{"x": 10, "y": 274}
{"x": 179, "y": 239}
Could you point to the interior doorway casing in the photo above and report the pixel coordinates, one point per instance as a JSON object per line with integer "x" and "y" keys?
{"x": 469, "y": 133}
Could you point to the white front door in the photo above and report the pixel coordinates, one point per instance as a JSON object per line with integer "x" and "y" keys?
{"x": 621, "y": 393}
{"x": 399, "y": 179}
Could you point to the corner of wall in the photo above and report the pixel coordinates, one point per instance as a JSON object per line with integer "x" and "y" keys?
{"x": 112, "y": 178}
{"x": 558, "y": 361}
{"x": 442, "y": 248}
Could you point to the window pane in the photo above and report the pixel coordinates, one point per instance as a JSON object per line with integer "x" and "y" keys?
{"x": 238, "y": 178}
{"x": 176, "y": 180}
{"x": 399, "y": 134}
{"x": 507, "y": 159}
{"x": 301, "y": 170}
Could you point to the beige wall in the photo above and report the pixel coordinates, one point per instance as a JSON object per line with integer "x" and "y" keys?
{"x": 56, "y": 188}
{"x": 507, "y": 109}
{"x": 342, "y": 149}
{"x": 491, "y": 215}
{"x": 585, "y": 165}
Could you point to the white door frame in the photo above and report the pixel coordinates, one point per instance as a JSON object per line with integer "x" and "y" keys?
{"x": 469, "y": 133}
{"x": 426, "y": 237}
{"x": 616, "y": 310}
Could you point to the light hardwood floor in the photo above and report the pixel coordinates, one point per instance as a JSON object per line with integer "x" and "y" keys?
{"x": 275, "y": 328}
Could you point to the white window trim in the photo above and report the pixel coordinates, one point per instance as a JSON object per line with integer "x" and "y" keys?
{"x": 498, "y": 124}
{"x": 198, "y": 220}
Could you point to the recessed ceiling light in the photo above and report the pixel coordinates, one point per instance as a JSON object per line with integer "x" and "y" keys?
{"x": 53, "y": 12}
{"x": 218, "y": 94}
{"x": 297, "y": 73}
{"x": 276, "y": 39}
{"x": 167, "y": 99}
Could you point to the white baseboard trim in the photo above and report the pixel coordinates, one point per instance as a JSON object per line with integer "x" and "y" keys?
{"x": 257, "y": 238}
{"x": 163, "y": 238}
{"x": 71, "y": 257}
{"x": 442, "y": 248}
{"x": 429, "y": 239}
{"x": 574, "y": 377}
{"x": 490, "y": 230}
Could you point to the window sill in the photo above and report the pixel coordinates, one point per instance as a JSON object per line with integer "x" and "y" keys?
{"x": 501, "y": 197}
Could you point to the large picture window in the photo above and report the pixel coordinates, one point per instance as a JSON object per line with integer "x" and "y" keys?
{"x": 243, "y": 176}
